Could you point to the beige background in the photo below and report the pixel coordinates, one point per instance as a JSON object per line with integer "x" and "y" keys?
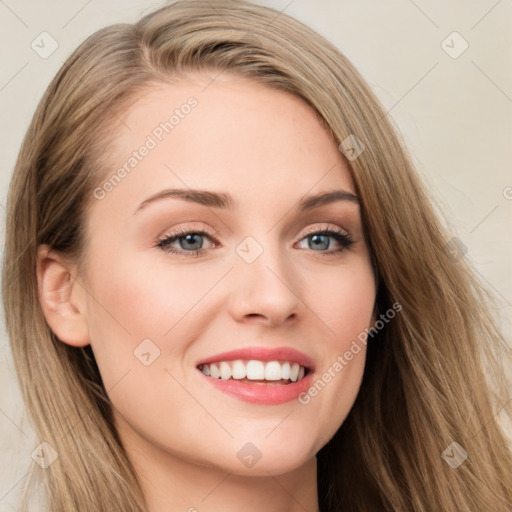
{"x": 454, "y": 113}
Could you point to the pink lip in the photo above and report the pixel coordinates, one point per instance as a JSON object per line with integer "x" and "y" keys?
{"x": 263, "y": 354}
{"x": 268, "y": 394}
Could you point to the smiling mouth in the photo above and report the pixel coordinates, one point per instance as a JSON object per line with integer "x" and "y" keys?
{"x": 254, "y": 371}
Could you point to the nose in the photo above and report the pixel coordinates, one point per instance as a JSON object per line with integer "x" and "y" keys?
{"x": 266, "y": 291}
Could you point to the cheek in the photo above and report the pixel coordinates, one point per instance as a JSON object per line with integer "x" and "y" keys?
{"x": 133, "y": 306}
{"x": 141, "y": 300}
{"x": 344, "y": 305}
{"x": 343, "y": 300}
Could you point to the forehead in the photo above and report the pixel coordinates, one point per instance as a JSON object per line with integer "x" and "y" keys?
{"x": 224, "y": 133}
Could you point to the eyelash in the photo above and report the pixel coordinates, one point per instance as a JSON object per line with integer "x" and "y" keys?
{"x": 341, "y": 237}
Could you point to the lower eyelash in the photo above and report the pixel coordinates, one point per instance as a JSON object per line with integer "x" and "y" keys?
{"x": 342, "y": 238}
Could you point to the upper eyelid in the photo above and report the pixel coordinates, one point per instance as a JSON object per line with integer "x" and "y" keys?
{"x": 326, "y": 227}
{"x": 183, "y": 231}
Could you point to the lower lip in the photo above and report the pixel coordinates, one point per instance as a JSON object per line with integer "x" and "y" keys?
{"x": 268, "y": 394}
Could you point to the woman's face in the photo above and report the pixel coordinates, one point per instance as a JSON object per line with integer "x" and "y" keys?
{"x": 205, "y": 245}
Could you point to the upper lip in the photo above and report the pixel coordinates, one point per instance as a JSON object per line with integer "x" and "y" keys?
{"x": 262, "y": 354}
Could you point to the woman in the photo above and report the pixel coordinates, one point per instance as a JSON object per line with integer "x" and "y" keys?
{"x": 182, "y": 342}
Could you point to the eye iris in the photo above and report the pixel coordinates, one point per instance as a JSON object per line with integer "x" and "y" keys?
{"x": 190, "y": 239}
{"x": 318, "y": 243}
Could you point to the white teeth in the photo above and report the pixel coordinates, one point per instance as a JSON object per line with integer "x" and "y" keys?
{"x": 225, "y": 371}
{"x": 273, "y": 371}
{"x": 294, "y": 372}
{"x": 254, "y": 370}
{"x": 285, "y": 370}
{"x": 214, "y": 371}
{"x": 238, "y": 371}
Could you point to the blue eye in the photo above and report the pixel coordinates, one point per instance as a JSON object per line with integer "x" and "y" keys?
{"x": 190, "y": 242}
{"x": 320, "y": 241}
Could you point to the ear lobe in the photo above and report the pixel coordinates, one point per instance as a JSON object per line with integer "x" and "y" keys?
{"x": 62, "y": 298}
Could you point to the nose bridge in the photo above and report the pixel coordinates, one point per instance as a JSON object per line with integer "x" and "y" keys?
{"x": 264, "y": 281}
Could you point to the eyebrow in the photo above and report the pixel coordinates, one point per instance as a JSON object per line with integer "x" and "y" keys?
{"x": 224, "y": 200}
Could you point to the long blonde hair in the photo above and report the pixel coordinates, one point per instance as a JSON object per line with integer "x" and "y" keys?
{"x": 425, "y": 382}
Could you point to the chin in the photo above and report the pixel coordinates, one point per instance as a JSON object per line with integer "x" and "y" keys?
{"x": 275, "y": 454}
{"x": 269, "y": 465}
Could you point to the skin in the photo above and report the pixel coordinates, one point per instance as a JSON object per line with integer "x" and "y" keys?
{"x": 267, "y": 149}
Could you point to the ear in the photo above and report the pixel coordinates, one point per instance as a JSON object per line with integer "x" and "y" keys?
{"x": 62, "y": 298}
